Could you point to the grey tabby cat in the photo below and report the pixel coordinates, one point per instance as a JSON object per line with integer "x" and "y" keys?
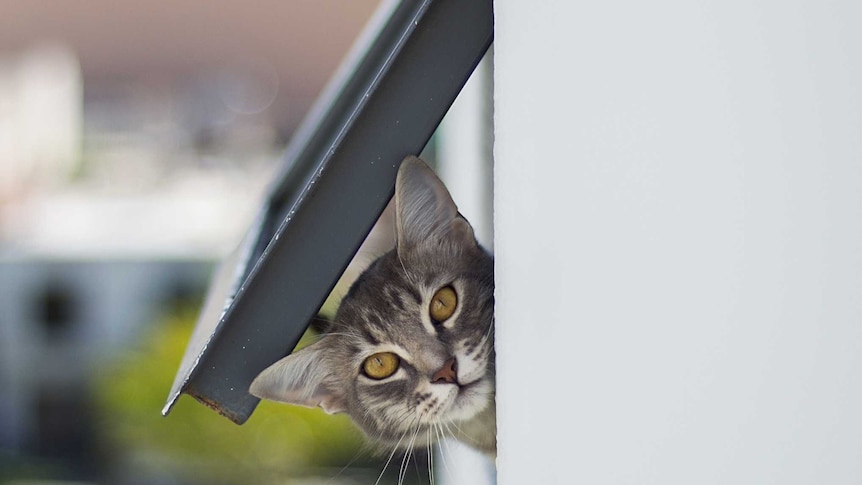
{"x": 410, "y": 354}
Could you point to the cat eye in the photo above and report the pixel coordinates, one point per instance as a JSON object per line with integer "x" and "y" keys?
{"x": 380, "y": 365}
{"x": 443, "y": 304}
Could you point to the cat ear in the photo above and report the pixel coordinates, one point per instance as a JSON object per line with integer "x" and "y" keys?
{"x": 424, "y": 210}
{"x": 300, "y": 379}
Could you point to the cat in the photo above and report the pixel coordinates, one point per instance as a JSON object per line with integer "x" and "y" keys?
{"x": 410, "y": 354}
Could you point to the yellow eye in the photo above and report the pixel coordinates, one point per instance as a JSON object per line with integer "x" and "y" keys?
{"x": 443, "y": 304}
{"x": 380, "y": 365}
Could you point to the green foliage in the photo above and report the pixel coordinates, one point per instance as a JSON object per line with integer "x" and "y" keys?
{"x": 196, "y": 443}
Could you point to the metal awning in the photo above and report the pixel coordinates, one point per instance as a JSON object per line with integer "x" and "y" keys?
{"x": 384, "y": 103}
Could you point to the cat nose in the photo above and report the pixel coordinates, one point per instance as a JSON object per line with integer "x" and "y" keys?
{"x": 448, "y": 374}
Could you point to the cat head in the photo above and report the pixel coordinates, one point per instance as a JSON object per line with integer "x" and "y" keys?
{"x": 411, "y": 348}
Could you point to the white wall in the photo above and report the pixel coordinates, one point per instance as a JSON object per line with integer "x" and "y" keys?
{"x": 678, "y": 234}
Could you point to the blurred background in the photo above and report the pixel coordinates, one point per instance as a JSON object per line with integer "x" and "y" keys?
{"x": 136, "y": 142}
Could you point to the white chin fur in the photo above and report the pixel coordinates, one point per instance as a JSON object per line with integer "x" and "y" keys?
{"x": 457, "y": 404}
{"x": 470, "y": 401}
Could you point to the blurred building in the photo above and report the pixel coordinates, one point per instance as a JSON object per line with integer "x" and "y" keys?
{"x": 154, "y": 123}
{"x": 136, "y": 139}
{"x": 61, "y": 320}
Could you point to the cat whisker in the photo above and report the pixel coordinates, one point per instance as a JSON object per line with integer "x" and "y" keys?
{"x": 446, "y": 432}
{"x": 448, "y": 425}
{"x": 352, "y": 335}
{"x": 440, "y": 445}
{"x": 403, "y": 417}
{"x": 488, "y": 332}
{"x": 402, "y": 472}
{"x": 404, "y": 268}
{"x": 388, "y": 460}
{"x": 453, "y": 423}
{"x": 430, "y": 451}
{"x": 356, "y": 456}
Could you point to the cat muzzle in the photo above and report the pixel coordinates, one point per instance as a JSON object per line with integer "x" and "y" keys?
{"x": 448, "y": 374}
